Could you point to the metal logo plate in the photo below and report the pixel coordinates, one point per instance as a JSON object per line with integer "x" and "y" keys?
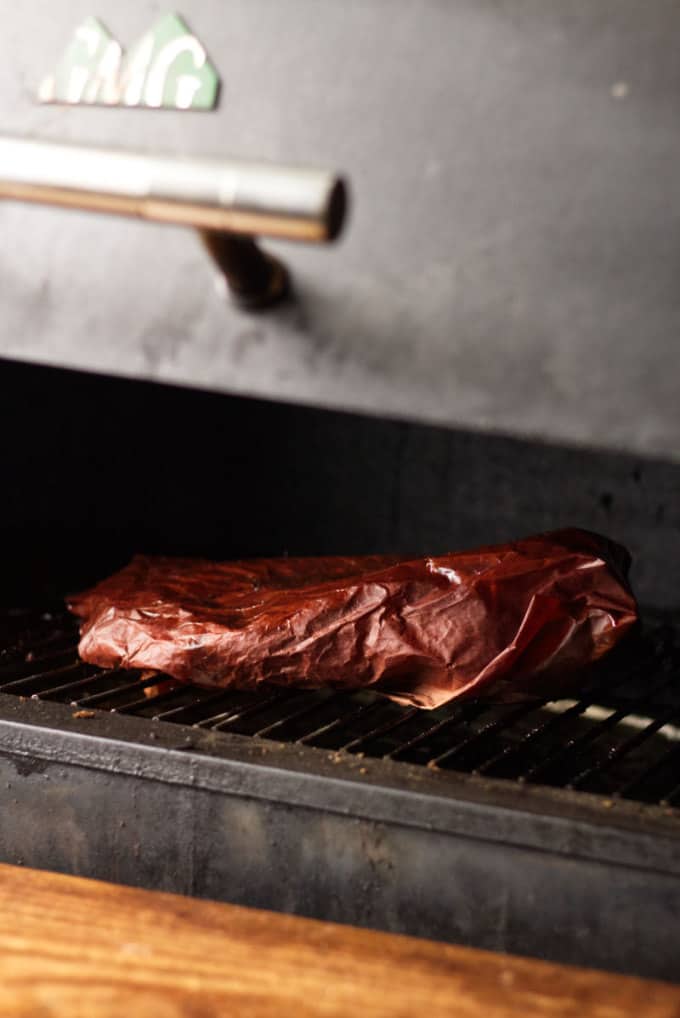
{"x": 167, "y": 68}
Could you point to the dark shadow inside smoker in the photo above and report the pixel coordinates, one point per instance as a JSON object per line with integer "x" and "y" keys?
{"x": 94, "y": 469}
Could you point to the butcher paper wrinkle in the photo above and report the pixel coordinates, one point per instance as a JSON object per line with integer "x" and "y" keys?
{"x": 507, "y": 622}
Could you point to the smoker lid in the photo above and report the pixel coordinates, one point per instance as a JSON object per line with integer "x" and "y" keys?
{"x": 510, "y": 259}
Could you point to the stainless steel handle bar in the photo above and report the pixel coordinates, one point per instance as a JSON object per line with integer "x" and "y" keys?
{"x": 229, "y": 201}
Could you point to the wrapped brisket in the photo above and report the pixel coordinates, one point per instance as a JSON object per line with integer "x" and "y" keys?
{"x": 506, "y": 622}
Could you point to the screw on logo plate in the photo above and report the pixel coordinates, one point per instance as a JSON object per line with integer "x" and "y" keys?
{"x": 167, "y": 68}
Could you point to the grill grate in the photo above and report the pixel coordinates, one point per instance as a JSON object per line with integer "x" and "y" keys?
{"x": 620, "y": 739}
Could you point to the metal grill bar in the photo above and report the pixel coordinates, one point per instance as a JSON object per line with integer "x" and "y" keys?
{"x": 249, "y": 710}
{"x": 32, "y": 667}
{"x": 375, "y": 733}
{"x": 295, "y": 714}
{"x": 69, "y": 688}
{"x": 501, "y": 762}
{"x": 580, "y": 742}
{"x": 463, "y": 712}
{"x": 617, "y": 753}
{"x": 146, "y": 704}
{"x": 329, "y": 735}
{"x": 472, "y": 740}
{"x": 347, "y": 719}
{"x": 648, "y": 775}
{"x": 111, "y": 699}
{"x": 238, "y": 704}
{"x": 509, "y": 751}
{"x": 585, "y": 743}
{"x": 187, "y": 713}
{"x": 39, "y": 681}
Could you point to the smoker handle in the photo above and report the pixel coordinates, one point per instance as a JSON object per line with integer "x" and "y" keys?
{"x": 228, "y": 201}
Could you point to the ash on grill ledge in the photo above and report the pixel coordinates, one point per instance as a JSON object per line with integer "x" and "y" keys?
{"x": 621, "y": 738}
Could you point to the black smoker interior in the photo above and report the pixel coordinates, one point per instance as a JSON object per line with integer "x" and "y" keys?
{"x": 97, "y": 468}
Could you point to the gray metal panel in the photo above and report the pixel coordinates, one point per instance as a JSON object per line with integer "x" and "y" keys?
{"x": 361, "y": 842}
{"x": 512, "y": 259}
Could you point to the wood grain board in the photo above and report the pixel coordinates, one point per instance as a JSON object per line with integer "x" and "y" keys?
{"x": 74, "y": 947}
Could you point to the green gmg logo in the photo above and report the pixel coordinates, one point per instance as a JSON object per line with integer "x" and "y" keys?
{"x": 167, "y": 68}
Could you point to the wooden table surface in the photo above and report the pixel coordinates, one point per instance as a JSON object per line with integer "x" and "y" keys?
{"x": 72, "y": 947}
